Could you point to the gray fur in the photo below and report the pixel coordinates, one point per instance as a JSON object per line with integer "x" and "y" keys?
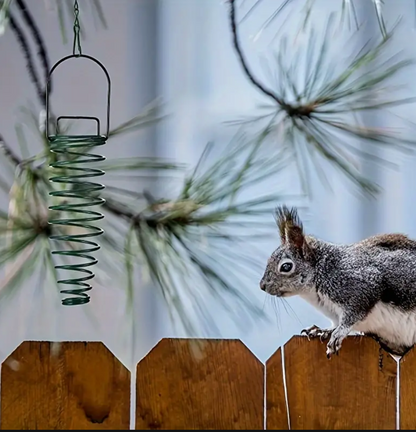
{"x": 369, "y": 286}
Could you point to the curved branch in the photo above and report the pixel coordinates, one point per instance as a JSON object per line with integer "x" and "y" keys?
{"x": 8, "y": 152}
{"x": 243, "y": 62}
{"x": 21, "y": 38}
{"x": 37, "y": 37}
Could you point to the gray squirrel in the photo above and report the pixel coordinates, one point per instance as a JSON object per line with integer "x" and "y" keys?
{"x": 368, "y": 286}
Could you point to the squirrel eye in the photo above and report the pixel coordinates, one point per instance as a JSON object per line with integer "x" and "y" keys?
{"x": 286, "y": 267}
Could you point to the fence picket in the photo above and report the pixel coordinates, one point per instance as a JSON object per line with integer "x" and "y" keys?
{"x": 207, "y": 384}
{"x": 276, "y": 414}
{"x": 408, "y": 391}
{"x": 83, "y": 386}
{"x": 355, "y": 390}
{"x": 195, "y": 384}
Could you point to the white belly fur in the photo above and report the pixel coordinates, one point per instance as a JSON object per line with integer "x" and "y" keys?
{"x": 390, "y": 324}
{"x": 384, "y": 320}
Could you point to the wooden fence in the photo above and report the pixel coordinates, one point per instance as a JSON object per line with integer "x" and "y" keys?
{"x": 208, "y": 384}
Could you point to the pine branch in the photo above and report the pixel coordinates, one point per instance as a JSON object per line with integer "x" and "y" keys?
{"x": 30, "y": 66}
{"x": 42, "y": 52}
{"x": 243, "y": 61}
{"x": 8, "y": 152}
{"x": 117, "y": 211}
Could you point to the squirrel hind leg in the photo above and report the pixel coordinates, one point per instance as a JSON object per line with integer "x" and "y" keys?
{"x": 389, "y": 347}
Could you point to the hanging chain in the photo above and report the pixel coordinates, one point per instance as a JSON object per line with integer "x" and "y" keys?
{"x": 77, "y": 28}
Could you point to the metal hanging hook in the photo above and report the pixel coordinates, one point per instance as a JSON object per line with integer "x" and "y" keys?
{"x": 77, "y": 55}
{"x": 77, "y": 29}
{"x": 47, "y": 92}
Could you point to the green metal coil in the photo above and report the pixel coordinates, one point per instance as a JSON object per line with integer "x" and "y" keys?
{"x": 77, "y": 199}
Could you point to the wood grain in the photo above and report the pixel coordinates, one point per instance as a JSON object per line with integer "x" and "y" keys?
{"x": 408, "y": 391}
{"x": 82, "y": 386}
{"x": 195, "y": 384}
{"x": 354, "y": 390}
{"x": 276, "y": 415}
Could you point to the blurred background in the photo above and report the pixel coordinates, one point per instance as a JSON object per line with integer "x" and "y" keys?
{"x": 181, "y": 51}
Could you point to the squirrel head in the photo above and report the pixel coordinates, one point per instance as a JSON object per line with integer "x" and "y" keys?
{"x": 290, "y": 268}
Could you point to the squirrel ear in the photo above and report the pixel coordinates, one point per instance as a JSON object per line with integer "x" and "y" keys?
{"x": 290, "y": 227}
{"x": 281, "y": 224}
{"x": 295, "y": 237}
{"x": 291, "y": 232}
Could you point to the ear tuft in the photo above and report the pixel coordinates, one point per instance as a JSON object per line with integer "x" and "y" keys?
{"x": 290, "y": 227}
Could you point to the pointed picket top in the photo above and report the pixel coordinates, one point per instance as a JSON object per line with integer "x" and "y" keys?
{"x": 200, "y": 384}
{"x": 80, "y": 385}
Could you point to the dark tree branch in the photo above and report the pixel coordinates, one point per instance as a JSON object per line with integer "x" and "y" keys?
{"x": 8, "y": 152}
{"x": 243, "y": 61}
{"x": 21, "y": 38}
{"x": 42, "y": 52}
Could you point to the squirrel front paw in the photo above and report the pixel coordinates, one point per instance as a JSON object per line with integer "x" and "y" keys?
{"x": 334, "y": 344}
{"x": 316, "y": 332}
{"x": 333, "y": 348}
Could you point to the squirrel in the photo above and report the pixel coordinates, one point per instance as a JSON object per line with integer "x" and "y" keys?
{"x": 368, "y": 286}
